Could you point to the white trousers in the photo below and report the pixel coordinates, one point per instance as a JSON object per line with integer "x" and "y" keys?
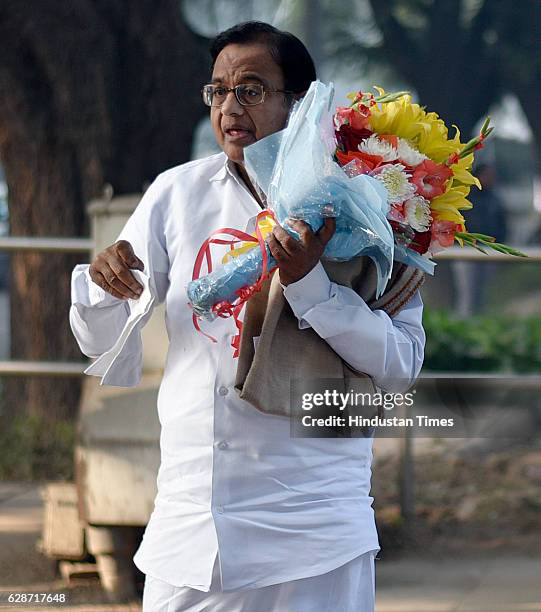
{"x": 348, "y": 588}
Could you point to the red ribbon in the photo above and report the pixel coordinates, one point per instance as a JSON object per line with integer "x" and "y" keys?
{"x": 226, "y": 309}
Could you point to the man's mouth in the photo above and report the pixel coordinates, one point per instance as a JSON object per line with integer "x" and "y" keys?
{"x": 237, "y": 133}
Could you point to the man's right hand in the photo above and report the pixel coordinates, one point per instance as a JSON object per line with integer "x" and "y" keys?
{"x": 111, "y": 270}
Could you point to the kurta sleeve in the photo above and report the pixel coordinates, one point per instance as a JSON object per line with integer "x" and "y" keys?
{"x": 392, "y": 347}
{"x": 109, "y": 328}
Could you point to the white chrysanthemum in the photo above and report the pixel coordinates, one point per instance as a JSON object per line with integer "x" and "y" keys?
{"x": 408, "y": 154}
{"x": 417, "y": 213}
{"x": 397, "y": 183}
{"x": 374, "y": 146}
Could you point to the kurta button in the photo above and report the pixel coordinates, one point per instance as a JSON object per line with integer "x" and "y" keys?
{"x": 220, "y": 509}
{"x": 223, "y": 390}
{"x": 223, "y": 445}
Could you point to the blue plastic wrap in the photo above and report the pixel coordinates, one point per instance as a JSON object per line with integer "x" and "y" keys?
{"x": 296, "y": 172}
{"x": 223, "y": 282}
{"x": 412, "y": 258}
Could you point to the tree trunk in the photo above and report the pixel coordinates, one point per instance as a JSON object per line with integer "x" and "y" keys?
{"x": 453, "y": 69}
{"x": 522, "y": 64}
{"x": 91, "y": 92}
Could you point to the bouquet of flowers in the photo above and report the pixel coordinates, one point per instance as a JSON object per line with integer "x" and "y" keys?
{"x": 427, "y": 174}
{"x": 299, "y": 178}
{"x": 383, "y": 167}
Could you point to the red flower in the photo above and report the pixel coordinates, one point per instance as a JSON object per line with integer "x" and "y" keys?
{"x": 480, "y": 144}
{"x": 356, "y": 118}
{"x": 363, "y": 161}
{"x": 430, "y": 178}
{"x": 349, "y": 138}
{"x": 392, "y": 139}
{"x": 443, "y": 232}
{"x": 421, "y": 242}
{"x": 453, "y": 159}
{"x": 407, "y": 236}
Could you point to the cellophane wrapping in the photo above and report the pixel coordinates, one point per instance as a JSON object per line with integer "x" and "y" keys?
{"x": 296, "y": 174}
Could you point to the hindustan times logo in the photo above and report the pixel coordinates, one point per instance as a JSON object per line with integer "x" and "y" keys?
{"x": 337, "y": 399}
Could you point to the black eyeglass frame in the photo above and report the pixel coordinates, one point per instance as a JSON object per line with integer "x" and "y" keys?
{"x": 264, "y": 91}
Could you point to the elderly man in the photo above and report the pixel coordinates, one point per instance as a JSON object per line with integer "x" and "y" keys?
{"x": 246, "y": 517}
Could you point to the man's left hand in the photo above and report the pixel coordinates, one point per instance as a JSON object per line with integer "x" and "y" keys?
{"x": 296, "y": 258}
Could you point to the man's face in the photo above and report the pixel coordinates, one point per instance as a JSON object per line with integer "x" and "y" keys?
{"x": 236, "y": 126}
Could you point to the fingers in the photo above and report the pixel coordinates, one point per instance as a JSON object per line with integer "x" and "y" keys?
{"x": 276, "y": 249}
{"x": 308, "y": 239}
{"x": 100, "y": 280}
{"x": 323, "y": 235}
{"x": 289, "y": 244}
{"x": 305, "y": 231}
{"x": 125, "y": 251}
{"x": 104, "y": 276}
{"x": 327, "y": 230}
{"x": 111, "y": 271}
{"x": 121, "y": 279}
{"x": 296, "y": 258}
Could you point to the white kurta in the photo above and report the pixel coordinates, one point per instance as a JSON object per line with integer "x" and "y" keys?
{"x": 348, "y": 588}
{"x": 231, "y": 478}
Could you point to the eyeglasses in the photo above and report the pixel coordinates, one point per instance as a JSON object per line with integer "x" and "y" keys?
{"x": 247, "y": 95}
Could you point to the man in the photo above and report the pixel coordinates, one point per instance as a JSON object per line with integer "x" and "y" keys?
{"x": 246, "y": 517}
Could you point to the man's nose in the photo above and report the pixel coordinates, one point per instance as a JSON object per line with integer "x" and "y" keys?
{"x": 231, "y": 106}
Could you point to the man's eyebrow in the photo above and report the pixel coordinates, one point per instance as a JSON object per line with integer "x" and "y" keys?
{"x": 249, "y": 76}
{"x": 252, "y": 76}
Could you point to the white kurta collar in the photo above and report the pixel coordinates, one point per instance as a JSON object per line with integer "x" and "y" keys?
{"x": 225, "y": 169}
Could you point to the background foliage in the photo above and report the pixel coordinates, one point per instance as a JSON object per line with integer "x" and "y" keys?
{"x": 483, "y": 343}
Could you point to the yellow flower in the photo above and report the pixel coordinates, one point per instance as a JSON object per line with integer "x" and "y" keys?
{"x": 425, "y": 131}
{"x": 446, "y": 206}
{"x": 462, "y": 174}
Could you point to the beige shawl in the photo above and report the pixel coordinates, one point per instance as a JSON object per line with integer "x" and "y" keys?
{"x": 286, "y": 354}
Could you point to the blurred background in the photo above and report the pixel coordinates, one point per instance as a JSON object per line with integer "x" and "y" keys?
{"x": 97, "y": 97}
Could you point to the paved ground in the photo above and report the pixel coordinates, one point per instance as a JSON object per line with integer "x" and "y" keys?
{"x": 23, "y": 569}
{"x": 490, "y": 582}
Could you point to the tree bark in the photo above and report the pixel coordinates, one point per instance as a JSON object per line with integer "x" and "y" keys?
{"x": 91, "y": 92}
